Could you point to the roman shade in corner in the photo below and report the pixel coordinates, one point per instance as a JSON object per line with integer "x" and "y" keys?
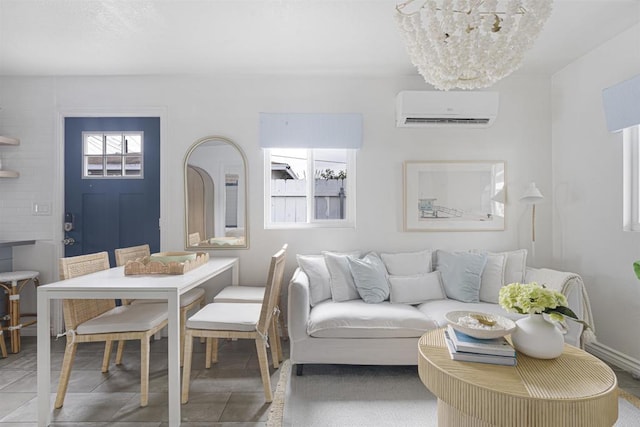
{"x": 622, "y": 104}
{"x": 310, "y": 130}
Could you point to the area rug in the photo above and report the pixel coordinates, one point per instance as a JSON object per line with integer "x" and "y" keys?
{"x": 354, "y": 396}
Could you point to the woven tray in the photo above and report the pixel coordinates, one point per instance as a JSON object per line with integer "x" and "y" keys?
{"x": 146, "y": 266}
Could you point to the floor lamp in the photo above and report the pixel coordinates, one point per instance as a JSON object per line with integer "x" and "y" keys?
{"x": 532, "y": 196}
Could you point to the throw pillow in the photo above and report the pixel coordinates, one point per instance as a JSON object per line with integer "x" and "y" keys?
{"x": 370, "y": 277}
{"x": 461, "y": 274}
{"x": 416, "y": 289}
{"x": 319, "y": 279}
{"x": 516, "y": 266}
{"x": 343, "y": 288}
{"x": 407, "y": 263}
{"x": 492, "y": 277}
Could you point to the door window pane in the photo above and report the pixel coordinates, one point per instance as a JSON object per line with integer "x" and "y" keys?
{"x": 113, "y": 155}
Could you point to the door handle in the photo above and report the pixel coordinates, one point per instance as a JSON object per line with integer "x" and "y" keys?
{"x": 69, "y": 241}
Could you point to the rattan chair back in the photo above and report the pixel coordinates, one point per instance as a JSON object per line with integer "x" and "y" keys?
{"x": 194, "y": 239}
{"x": 77, "y": 311}
{"x": 272, "y": 290}
{"x": 131, "y": 253}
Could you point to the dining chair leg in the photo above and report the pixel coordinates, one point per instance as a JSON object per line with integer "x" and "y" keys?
{"x": 208, "y": 352}
{"x": 214, "y": 350}
{"x": 107, "y": 355}
{"x": 183, "y": 329}
{"x": 186, "y": 371}
{"x": 3, "y": 346}
{"x": 203, "y": 304}
{"x": 120, "y": 352}
{"x": 65, "y": 373}
{"x": 273, "y": 339}
{"x": 144, "y": 371}
{"x": 263, "y": 360}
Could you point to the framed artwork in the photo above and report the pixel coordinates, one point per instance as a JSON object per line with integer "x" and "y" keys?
{"x": 454, "y": 195}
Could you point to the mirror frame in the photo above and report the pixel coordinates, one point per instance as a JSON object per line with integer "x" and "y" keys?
{"x": 245, "y": 187}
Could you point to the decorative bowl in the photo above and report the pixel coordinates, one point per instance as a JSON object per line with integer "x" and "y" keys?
{"x": 480, "y": 325}
{"x": 167, "y": 257}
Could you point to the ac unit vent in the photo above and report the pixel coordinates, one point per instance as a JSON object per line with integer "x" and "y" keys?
{"x": 442, "y": 109}
{"x": 446, "y": 121}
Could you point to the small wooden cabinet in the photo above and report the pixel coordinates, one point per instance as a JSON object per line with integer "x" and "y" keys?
{"x": 5, "y": 140}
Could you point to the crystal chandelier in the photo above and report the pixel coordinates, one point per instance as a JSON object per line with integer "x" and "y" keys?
{"x": 469, "y": 43}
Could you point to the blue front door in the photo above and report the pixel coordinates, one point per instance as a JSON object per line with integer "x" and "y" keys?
{"x": 112, "y": 202}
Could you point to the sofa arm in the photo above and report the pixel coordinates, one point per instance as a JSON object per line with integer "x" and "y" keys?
{"x": 572, "y": 286}
{"x": 298, "y": 305}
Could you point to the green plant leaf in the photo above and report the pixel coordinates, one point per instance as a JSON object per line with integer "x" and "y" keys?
{"x": 567, "y": 312}
{"x": 636, "y": 269}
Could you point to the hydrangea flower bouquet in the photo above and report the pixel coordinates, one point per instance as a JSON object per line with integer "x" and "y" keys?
{"x": 532, "y": 298}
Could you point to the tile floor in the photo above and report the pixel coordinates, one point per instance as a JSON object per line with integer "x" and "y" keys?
{"x": 228, "y": 394}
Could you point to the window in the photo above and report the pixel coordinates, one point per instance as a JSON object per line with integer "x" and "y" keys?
{"x": 631, "y": 137}
{"x": 112, "y": 155}
{"x": 309, "y": 187}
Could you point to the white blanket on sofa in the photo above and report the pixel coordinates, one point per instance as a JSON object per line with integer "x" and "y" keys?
{"x": 562, "y": 281}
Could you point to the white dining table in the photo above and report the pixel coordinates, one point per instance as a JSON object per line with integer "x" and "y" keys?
{"x": 114, "y": 284}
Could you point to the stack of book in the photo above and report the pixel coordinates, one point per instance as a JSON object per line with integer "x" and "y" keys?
{"x": 496, "y": 351}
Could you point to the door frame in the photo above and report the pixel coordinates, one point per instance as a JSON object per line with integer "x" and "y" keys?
{"x": 57, "y": 319}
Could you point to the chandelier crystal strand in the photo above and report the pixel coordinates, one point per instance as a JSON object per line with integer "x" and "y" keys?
{"x": 470, "y": 44}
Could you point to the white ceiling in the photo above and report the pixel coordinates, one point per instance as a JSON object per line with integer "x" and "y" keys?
{"x": 116, "y": 37}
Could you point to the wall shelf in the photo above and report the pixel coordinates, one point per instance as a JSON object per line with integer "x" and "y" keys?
{"x": 6, "y": 140}
{"x": 9, "y": 174}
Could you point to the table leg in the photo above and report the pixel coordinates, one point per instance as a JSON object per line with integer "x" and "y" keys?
{"x": 235, "y": 273}
{"x": 173, "y": 306}
{"x": 44, "y": 359}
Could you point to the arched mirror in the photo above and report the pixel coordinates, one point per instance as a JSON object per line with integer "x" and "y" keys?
{"x": 215, "y": 176}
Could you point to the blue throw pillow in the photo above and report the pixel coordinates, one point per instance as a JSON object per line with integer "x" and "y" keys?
{"x": 461, "y": 274}
{"x": 370, "y": 277}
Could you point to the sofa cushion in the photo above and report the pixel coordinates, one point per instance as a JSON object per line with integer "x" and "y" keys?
{"x": 319, "y": 279}
{"x": 492, "y": 277}
{"x": 357, "y": 319}
{"x": 516, "y": 267}
{"x": 343, "y": 287}
{"x": 436, "y": 310}
{"x": 370, "y": 277}
{"x": 416, "y": 289}
{"x": 461, "y": 274}
{"x": 407, "y": 263}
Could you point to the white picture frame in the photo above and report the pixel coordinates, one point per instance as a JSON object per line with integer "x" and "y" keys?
{"x": 454, "y": 195}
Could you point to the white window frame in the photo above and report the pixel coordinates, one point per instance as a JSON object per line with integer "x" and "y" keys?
{"x": 348, "y": 222}
{"x": 105, "y": 155}
{"x": 631, "y": 178}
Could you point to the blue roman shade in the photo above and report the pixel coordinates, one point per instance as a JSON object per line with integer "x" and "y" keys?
{"x": 310, "y": 130}
{"x": 622, "y": 104}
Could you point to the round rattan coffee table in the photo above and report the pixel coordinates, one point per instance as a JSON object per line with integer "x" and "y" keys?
{"x": 574, "y": 390}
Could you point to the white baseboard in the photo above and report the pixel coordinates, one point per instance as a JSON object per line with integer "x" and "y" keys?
{"x": 614, "y": 357}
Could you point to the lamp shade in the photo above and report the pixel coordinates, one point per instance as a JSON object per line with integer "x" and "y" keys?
{"x": 532, "y": 195}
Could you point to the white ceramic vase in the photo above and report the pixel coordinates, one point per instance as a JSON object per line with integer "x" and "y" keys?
{"x": 537, "y": 337}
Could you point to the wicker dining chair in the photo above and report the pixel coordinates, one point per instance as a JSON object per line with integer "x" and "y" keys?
{"x": 236, "y": 320}
{"x": 94, "y": 320}
{"x": 194, "y": 239}
{"x": 188, "y": 301}
{"x": 3, "y": 346}
{"x": 255, "y": 294}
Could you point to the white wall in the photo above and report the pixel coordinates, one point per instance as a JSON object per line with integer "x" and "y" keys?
{"x": 228, "y": 106}
{"x": 587, "y": 184}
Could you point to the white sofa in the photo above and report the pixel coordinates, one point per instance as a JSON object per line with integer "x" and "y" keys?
{"x": 386, "y": 333}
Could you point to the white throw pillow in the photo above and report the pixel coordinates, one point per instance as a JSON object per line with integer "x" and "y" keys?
{"x": 407, "y": 263}
{"x": 416, "y": 289}
{"x": 343, "y": 288}
{"x": 515, "y": 268}
{"x": 370, "y": 277}
{"x": 492, "y": 277}
{"x": 319, "y": 279}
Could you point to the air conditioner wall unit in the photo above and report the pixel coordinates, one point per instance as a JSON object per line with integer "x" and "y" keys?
{"x": 442, "y": 109}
